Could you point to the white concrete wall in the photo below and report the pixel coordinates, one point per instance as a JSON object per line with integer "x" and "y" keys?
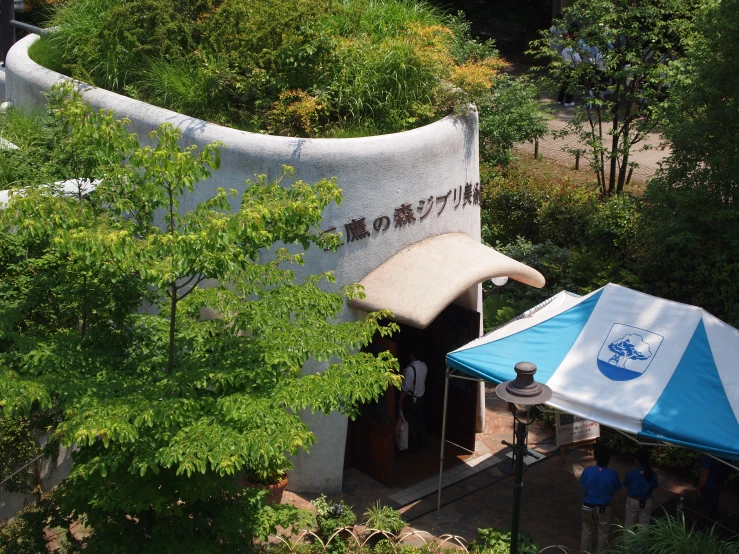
{"x": 2, "y": 84}
{"x": 377, "y": 175}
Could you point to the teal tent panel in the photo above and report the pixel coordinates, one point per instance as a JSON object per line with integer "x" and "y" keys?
{"x": 546, "y": 344}
{"x": 694, "y": 410}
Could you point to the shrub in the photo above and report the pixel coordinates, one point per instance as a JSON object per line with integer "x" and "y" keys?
{"x": 498, "y": 309}
{"x": 26, "y": 132}
{"x": 674, "y": 535}
{"x": 686, "y": 223}
{"x": 565, "y": 216}
{"x": 296, "y": 113}
{"x": 330, "y": 517}
{"x": 184, "y": 86}
{"x": 510, "y": 205}
{"x": 495, "y": 541}
{"x": 383, "y": 518}
{"x": 380, "y": 66}
{"x": 575, "y": 237}
{"x": 683, "y": 459}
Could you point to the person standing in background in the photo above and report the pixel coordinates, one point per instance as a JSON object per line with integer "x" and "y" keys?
{"x": 711, "y": 479}
{"x": 599, "y": 482}
{"x": 571, "y": 58}
{"x": 639, "y": 483}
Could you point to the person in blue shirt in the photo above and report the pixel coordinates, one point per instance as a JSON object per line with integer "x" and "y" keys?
{"x": 713, "y": 474}
{"x": 599, "y": 482}
{"x": 639, "y": 483}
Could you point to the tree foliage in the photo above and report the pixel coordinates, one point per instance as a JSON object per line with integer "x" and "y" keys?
{"x": 168, "y": 406}
{"x": 691, "y": 218}
{"x": 510, "y": 114}
{"x": 627, "y": 49}
{"x": 577, "y": 238}
{"x": 703, "y": 116}
{"x": 19, "y": 448}
{"x": 25, "y": 534}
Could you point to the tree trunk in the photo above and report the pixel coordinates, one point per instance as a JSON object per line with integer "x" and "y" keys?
{"x": 614, "y": 150}
{"x": 602, "y": 176}
{"x": 625, "y": 164}
{"x": 622, "y": 173}
{"x": 172, "y": 288}
{"x": 172, "y": 326}
{"x": 83, "y": 315}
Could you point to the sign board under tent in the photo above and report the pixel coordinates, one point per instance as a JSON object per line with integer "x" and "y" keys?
{"x": 574, "y": 431}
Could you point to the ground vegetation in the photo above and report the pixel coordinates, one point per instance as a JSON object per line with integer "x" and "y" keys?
{"x": 306, "y": 68}
{"x": 672, "y": 534}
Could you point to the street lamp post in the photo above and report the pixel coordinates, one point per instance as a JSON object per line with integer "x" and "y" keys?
{"x": 524, "y": 393}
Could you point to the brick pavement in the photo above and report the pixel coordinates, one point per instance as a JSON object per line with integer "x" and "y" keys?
{"x": 554, "y": 148}
{"x": 551, "y": 498}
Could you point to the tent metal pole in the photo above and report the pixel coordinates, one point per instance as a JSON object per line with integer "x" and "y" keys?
{"x": 673, "y": 446}
{"x": 443, "y": 441}
{"x": 640, "y": 443}
{"x": 475, "y": 379}
{"x": 722, "y": 461}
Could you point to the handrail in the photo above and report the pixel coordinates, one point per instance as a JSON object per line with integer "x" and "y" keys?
{"x": 29, "y": 28}
{"x": 9, "y": 477}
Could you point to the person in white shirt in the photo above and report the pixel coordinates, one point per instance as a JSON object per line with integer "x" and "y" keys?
{"x": 410, "y": 401}
{"x": 572, "y": 58}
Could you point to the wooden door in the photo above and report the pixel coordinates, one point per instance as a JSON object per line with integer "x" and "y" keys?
{"x": 371, "y": 436}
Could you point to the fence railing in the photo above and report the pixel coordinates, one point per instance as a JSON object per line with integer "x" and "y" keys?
{"x": 8, "y": 25}
{"x": 359, "y": 539}
{"x": 369, "y": 536}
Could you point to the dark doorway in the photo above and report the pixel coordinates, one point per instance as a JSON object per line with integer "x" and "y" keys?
{"x": 371, "y": 437}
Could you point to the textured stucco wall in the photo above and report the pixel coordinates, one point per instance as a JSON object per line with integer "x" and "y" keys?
{"x": 378, "y": 175}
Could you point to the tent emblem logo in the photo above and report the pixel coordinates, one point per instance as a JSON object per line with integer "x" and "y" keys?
{"x": 627, "y": 352}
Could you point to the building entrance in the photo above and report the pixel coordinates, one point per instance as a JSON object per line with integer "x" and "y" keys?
{"x": 371, "y": 437}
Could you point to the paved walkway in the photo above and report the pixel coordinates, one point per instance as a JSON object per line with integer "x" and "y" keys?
{"x": 551, "y": 498}
{"x": 554, "y": 148}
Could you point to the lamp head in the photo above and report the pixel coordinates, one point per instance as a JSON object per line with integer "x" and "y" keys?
{"x": 523, "y": 391}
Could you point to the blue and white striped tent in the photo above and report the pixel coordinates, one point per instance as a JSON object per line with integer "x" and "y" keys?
{"x": 644, "y": 365}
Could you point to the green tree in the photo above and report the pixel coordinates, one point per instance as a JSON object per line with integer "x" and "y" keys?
{"x": 702, "y": 120}
{"x": 509, "y": 114}
{"x": 691, "y": 219}
{"x": 626, "y": 50}
{"x": 169, "y": 409}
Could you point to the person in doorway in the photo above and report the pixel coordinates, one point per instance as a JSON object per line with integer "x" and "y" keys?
{"x": 410, "y": 401}
{"x": 711, "y": 479}
{"x": 599, "y": 482}
{"x": 639, "y": 483}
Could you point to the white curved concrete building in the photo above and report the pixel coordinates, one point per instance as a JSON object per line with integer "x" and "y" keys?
{"x": 411, "y": 224}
